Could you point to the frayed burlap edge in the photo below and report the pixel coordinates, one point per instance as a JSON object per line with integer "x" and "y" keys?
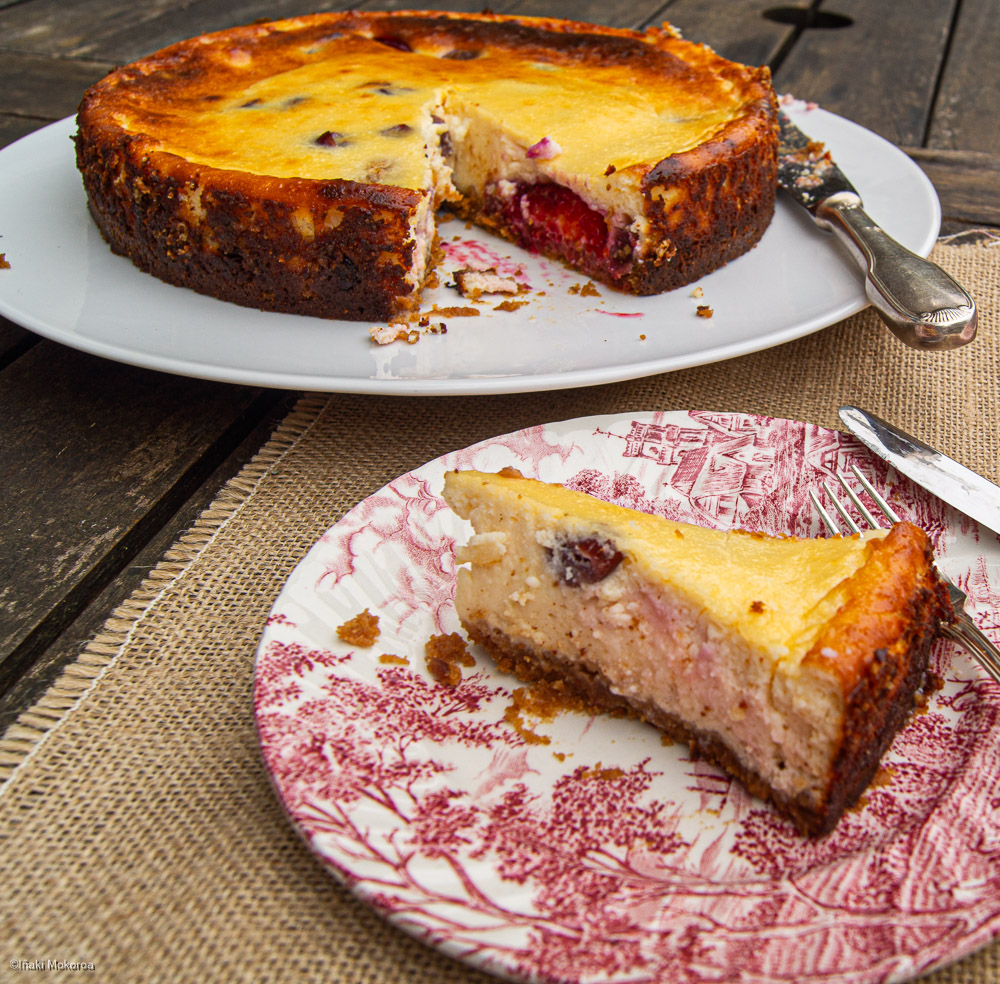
{"x": 28, "y": 733}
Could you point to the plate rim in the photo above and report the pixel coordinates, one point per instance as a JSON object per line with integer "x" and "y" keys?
{"x": 467, "y": 384}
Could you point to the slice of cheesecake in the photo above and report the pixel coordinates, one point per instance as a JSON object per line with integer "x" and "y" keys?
{"x": 789, "y": 662}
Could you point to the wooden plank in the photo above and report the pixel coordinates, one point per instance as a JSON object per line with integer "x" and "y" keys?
{"x": 44, "y": 87}
{"x": 53, "y": 27}
{"x": 739, "y": 31}
{"x": 14, "y": 127}
{"x": 967, "y": 182}
{"x": 968, "y": 94}
{"x": 138, "y": 39}
{"x": 95, "y": 453}
{"x": 176, "y": 23}
{"x": 880, "y": 72}
{"x": 30, "y": 686}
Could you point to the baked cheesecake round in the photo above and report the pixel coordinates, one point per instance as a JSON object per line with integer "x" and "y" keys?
{"x": 298, "y": 165}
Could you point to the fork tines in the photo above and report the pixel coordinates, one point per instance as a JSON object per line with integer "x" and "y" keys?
{"x": 849, "y": 521}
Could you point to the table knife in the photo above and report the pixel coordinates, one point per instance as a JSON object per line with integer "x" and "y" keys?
{"x": 922, "y": 305}
{"x": 951, "y": 482}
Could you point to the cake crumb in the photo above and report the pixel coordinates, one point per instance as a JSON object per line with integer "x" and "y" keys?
{"x": 473, "y": 283}
{"x": 704, "y": 311}
{"x": 443, "y": 672}
{"x": 509, "y": 305}
{"x": 542, "y": 700}
{"x": 362, "y": 630}
{"x": 642, "y": 338}
{"x": 400, "y": 331}
{"x": 395, "y": 331}
{"x": 4, "y": 262}
{"x": 513, "y": 717}
{"x": 599, "y": 772}
{"x": 392, "y": 660}
{"x": 456, "y": 312}
{"x": 883, "y": 777}
{"x": 544, "y": 150}
{"x": 445, "y": 655}
{"x": 698, "y": 292}
{"x": 589, "y": 290}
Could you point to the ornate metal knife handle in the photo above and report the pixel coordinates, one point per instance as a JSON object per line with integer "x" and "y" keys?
{"x": 922, "y": 305}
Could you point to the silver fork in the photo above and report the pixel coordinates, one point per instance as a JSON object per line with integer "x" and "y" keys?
{"x": 963, "y": 630}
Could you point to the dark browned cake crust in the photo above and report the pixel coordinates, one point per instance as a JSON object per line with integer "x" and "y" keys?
{"x": 264, "y": 233}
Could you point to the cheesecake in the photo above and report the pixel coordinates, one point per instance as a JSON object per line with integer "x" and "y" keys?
{"x": 298, "y": 165}
{"x": 789, "y": 662}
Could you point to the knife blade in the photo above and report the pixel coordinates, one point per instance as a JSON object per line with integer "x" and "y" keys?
{"x": 951, "y": 482}
{"x": 923, "y": 306}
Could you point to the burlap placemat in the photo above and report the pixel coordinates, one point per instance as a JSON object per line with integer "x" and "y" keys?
{"x": 138, "y": 830}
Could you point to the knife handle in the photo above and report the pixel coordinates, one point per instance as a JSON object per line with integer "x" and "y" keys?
{"x": 922, "y": 305}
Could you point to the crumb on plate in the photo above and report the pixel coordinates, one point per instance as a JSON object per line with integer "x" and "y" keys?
{"x": 445, "y": 655}
{"x": 362, "y": 630}
{"x": 472, "y": 283}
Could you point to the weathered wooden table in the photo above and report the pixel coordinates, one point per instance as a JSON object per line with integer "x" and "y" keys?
{"x": 104, "y": 463}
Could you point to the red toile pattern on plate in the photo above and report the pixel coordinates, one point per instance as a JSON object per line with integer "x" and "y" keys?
{"x": 582, "y": 849}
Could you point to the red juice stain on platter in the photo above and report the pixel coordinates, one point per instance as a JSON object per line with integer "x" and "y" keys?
{"x": 623, "y": 314}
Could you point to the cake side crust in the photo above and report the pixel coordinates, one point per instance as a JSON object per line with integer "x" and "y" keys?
{"x": 710, "y": 205}
{"x": 878, "y": 645}
{"x": 326, "y": 249}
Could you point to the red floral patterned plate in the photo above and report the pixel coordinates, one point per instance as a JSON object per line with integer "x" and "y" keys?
{"x": 598, "y": 853}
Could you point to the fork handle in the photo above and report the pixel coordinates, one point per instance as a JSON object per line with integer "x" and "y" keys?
{"x": 968, "y": 635}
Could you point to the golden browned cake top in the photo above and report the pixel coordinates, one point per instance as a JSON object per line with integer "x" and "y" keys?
{"x": 352, "y": 95}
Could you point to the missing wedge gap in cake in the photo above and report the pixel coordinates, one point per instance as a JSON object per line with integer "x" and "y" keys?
{"x": 481, "y": 173}
{"x": 523, "y": 194}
